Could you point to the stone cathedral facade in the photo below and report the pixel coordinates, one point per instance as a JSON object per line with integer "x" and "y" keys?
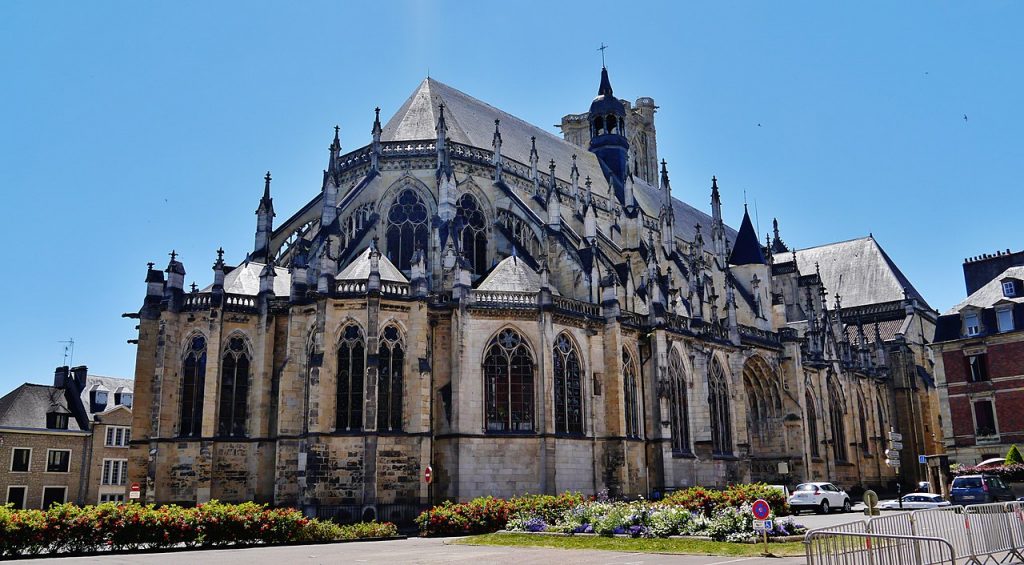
{"x": 522, "y": 313}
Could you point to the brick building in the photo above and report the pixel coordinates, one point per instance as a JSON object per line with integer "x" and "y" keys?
{"x": 979, "y": 350}
{"x": 66, "y": 442}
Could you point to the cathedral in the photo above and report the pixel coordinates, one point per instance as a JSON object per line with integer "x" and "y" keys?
{"x": 520, "y": 313}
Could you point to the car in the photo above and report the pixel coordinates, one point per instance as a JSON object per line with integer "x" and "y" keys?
{"x": 917, "y": 501}
{"x": 979, "y": 489}
{"x": 819, "y": 497}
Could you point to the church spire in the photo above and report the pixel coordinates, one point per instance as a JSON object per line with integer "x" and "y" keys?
{"x": 606, "y": 85}
{"x": 608, "y": 140}
{"x": 717, "y": 225}
{"x": 534, "y": 161}
{"x": 778, "y": 246}
{"x": 329, "y": 209}
{"x": 443, "y": 164}
{"x": 747, "y": 249}
{"x": 553, "y": 204}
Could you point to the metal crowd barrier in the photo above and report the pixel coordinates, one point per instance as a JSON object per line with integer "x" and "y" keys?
{"x": 977, "y": 534}
{"x": 836, "y": 548}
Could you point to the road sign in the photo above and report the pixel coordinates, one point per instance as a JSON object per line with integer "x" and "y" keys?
{"x": 893, "y": 462}
{"x": 761, "y": 509}
{"x": 895, "y": 445}
{"x": 892, "y": 454}
{"x": 135, "y": 491}
{"x": 922, "y": 459}
{"x": 759, "y": 526}
{"x": 428, "y": 474}
{"x": 893, "y": 436}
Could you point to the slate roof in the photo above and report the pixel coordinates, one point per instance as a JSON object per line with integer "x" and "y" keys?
{"x": 359, "y": 269}
{"x": 858, "y": 270}
{"x": 514, "y": 275}
{"x": 27, "y": 405}
{"x": 747, "y": 249}
{"x": 471, "y": 122}
{"x": 111, "y": 385}
{"x": 992, "y": 292}
{"x": 245, "y": 280}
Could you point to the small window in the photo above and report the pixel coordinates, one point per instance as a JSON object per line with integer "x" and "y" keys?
{"x": 123, "y": 399}
{"x": 971, "y": 325}
{"x": 98, "y": 400}
{"x": 58, "y": 461}
{"x": 56, "y": 421}
{"x": 1009, "y": 288}
{"x": 118, "y": 436}
{"x": 21, "y": 458}
{"x": 111, "y": 498}
{"x": 54, "y": 495}
{"x": 977, "y": 367}
{"x": 984, "y": 418}
{"x": 16, "y": 496}
{"x": 1004, "y": 319}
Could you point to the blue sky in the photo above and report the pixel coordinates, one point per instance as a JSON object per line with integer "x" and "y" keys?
{"x": 132, "y": 128}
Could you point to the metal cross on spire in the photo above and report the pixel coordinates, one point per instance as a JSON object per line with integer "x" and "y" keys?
{"x": 601, "y": 49}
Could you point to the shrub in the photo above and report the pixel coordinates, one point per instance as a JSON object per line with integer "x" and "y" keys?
{"x": 487, "y": 514}
{"x": 708, "y": 502}
{"x": 67, "y": 528}
{"x": 1012, "y": 473}
{"x": 1013, "y": 456}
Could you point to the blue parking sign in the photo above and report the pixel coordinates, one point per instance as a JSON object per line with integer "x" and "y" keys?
{"x": 922, "y": 459}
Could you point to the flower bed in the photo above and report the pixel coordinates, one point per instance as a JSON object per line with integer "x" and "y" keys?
{"x": 66, "y": 528}
{"x": 652, "y": 520}
{"x": 487, "y": 514}
{"x": 708, "y": 502}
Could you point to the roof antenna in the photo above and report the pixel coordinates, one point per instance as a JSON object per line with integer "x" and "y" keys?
{"x": 69, "y": 351}
{"x": 757, "y": 220}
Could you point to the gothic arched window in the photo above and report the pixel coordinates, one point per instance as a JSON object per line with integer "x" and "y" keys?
{"x": 718, "y": 401}
{"x": 389, "y": 382}
{"x": 472, "y": 224}
{"x": 631, "y": 395}
{"x": 508, "y": 383}
{"x": 568, "y": 387}
{"x": 193, "y": 379}
{"x": 680, "y": 409}
{"x": 351, "y": 371}
{"x": 234, "y": 389}
{"x": 407, "y": 228}
{"x": 864, "y": 445}
{"x": 812, "y": 424}
{"x": 837, "y": 408}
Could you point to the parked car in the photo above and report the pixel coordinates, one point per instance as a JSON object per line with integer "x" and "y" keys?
{"x": 979, "y": 489}
{"x": 819, "y": 497}
{"x": 917, "y": 501}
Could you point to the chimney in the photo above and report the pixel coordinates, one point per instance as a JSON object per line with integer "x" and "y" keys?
{"x": 60, "y": 376}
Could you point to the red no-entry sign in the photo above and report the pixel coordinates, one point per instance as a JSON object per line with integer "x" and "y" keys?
{"x": 761, "y": 509}
{"x": 428, "y": 474}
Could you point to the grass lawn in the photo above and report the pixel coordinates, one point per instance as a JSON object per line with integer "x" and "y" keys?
{"x": 688, "y": 546}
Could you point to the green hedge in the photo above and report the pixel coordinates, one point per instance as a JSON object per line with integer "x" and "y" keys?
{"x": 66, "y": 528}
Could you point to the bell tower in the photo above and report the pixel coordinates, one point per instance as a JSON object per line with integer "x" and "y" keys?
{"x": 608, "y": 140}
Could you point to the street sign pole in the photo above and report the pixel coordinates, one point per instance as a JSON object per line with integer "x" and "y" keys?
{"x": 894, "y": 447}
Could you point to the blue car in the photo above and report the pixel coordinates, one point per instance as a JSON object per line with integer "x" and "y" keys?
{"x": 979, "y": 489}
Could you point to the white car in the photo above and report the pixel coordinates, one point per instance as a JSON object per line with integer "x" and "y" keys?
{"x": 916, "y": 501}
{"x": 819, "y": 497}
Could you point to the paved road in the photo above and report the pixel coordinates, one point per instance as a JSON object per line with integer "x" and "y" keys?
{"x": 413, "y": 550}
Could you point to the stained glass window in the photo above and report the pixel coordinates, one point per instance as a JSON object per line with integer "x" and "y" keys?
{"x": 351, "y": 371}
{"x": 568, "y": 387}
{"x": 680, "y": 408}
{"x": 407, "y": 228}
{"x": 812, "y": 424}
{"x": 718, "y": 401}
{"x": 193, "y": 379}
{"x": 234, "y": 389}
{"x": 631, "y": 395}
{"x": 836, "y": 410}
{"x": 389, "y": 382}
{"x": 508, "y": 383}
{"x": 472, "y": 224}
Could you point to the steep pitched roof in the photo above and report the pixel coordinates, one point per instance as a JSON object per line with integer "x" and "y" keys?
{"x": 747, "y": 250}
{"x": 27, "y": 406}
{"x": 245, "y": 279}
{"x": 359, "y": 269}
{"x": 471, "y": 122}
{"x": 858, "y": 270}
{"x": 514, "y": 275}
{"x": 111, "y": 384}
{"x": 992, "y": 292}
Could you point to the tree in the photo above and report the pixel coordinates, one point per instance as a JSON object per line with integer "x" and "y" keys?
{"x": 1013, "y": 456}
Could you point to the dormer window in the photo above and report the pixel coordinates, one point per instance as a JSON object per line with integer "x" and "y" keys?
{"x": 1004, "y": 318}
{"x": 98, "y": 398}
{"x": 56, "y": 421}
{"x": 971, "y": 325}
{"x": 1009, "y": 288}
{"x": 123, "y": 399}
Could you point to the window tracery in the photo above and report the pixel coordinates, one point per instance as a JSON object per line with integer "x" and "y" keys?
{"x": 522, "y": 236}
{"x": 568, "y": 387}
{"x": 630, "y": 395}
{"x": 193, "y": 379}
{"x": 407, "y": 228}
{"x": 812, "y": 424}
{"x": 718, "y": 401}
{"x": 837, "y": 407}
{"x": 508, "y": 383}
{"x": 680, "y": 409}
{"x": 351, "y": 372}
{"x": 234, "y": 389}
{"x": 472, "y": 226}
{"x": 391, "y": 355}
